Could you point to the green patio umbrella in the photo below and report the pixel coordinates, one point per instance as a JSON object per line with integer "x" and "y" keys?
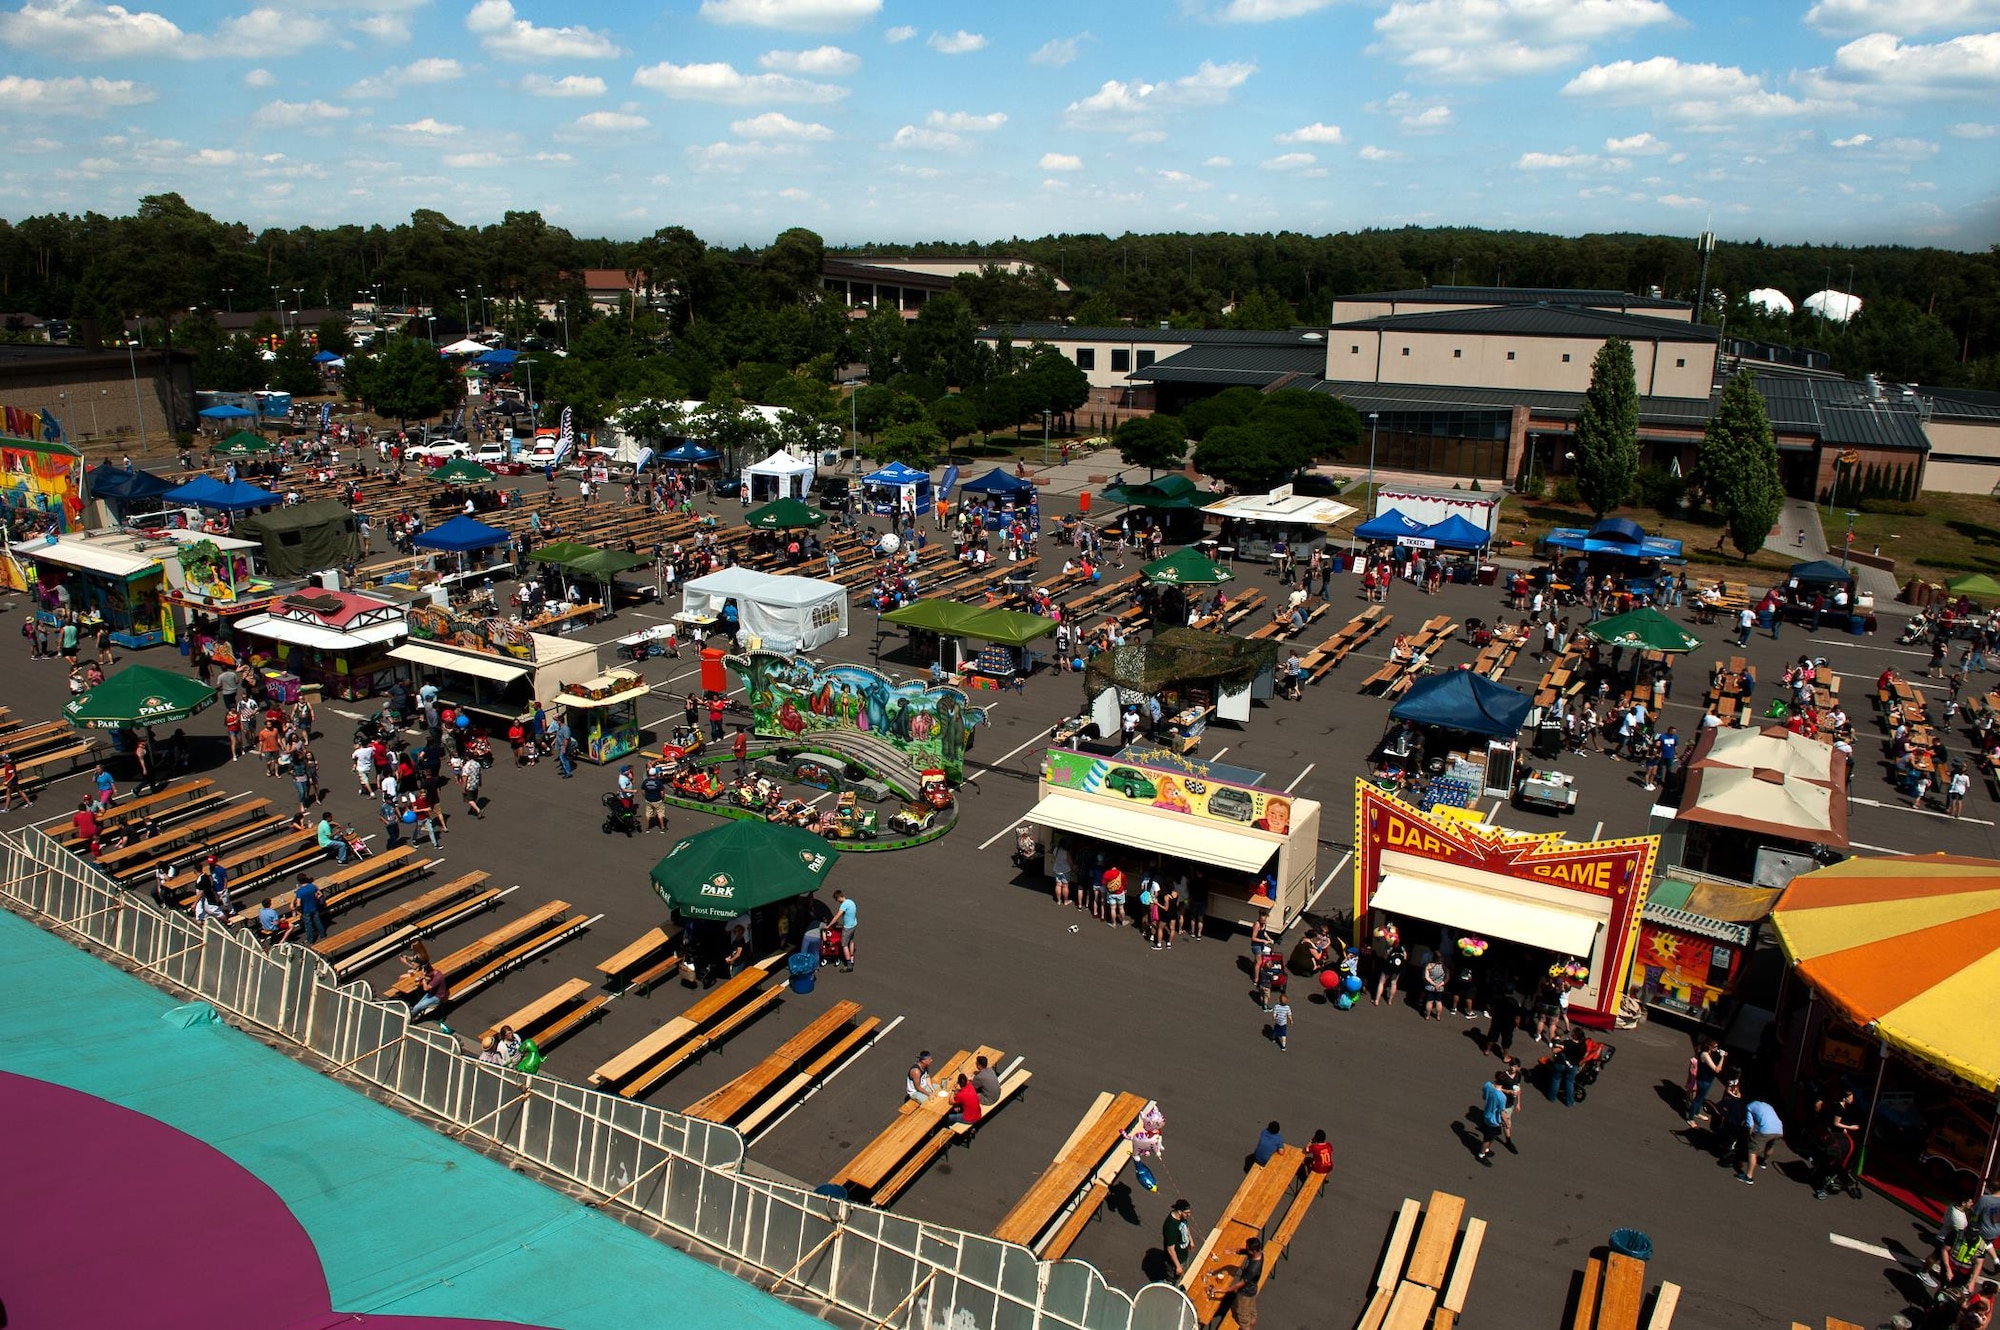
{"x": 726, "y": 870}
{"x": 139, "y": 695}
{"x": 462, "y": 471}
{"x": 243, "y": 443}
{"x": 783, "y": 515}
{"x": 1643, "y": 630}
{"x": 1186, "y": 568}
{"x": 1976, "y": 586}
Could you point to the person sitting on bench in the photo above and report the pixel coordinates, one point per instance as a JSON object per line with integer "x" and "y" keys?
{"x": 917, "y": 1084}
{"x": 273, "y": 926}
{"x": 964, "y": 1104}
{"x": 986, "y": 1082}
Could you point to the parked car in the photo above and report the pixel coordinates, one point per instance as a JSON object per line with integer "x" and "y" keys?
{"x": 491, "y": 454}
{"x": 726, "y": 487}
{"x": 836, "y": 493}
{"x": 439, "y": 451}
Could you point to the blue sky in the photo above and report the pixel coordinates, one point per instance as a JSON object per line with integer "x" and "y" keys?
{"x": 885, "y": 120}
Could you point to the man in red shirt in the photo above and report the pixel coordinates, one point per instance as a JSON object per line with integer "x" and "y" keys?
{"x": 717, "y": 708}
{"x": 1319, "y": 1155}
{"x": 742, "y": 751}
{"x": 964, "y": 1104}
{"x": 85, "y": 823}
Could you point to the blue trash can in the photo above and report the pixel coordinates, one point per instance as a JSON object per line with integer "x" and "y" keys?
{"x": 804, "y": 972}
{"x": 1631, "y": 1242}
{"x": 1857, "y": 624}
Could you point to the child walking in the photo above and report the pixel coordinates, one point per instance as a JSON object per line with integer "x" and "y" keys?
{"x": 1281, "y": 1022}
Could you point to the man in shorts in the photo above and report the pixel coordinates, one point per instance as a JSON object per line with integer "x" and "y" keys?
{"x": 1492, "y": 1119}
{"x": 653, "y": 794}
{"x": 1764, "y": 1129}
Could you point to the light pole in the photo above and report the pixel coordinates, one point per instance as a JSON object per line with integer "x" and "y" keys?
{"x": 562, "y": 308}
{"x": 94, "y": 428}
{"x": 64, "y": 399}
{"x": 1374, "y": 419}
{"x": 1528, "y": 480}
{"x": 465, "y": 305}
{"x": 1847, "y": 543}
{"x": 229, "y": 299}
{"x": 1045, "y": 436}
{"x": 132, "y": 357}
{"x": 298, "y": 305}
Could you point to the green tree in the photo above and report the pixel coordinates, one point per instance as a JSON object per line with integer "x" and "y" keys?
{"x": 1607, "y": 430}
{"x": 1244, "y": 457}
{"x": 402, "y": 377}
{"x": 1317, "y": 424}
{"x": 1154, "y": 442}
{"x": 1231, "y": 406}
{"x": 880, "y": 340}
{"x": 955, "y": 417}
{"x": 1099, "y": 311}
{"x": 730, "y": 429}
{"x": 333, "y": 336}
{"x": 1738, "y": 465}
{"x": 913, "y": 443}
{"x": 1053, "y": 381}
{"x": 1262, "y": 309}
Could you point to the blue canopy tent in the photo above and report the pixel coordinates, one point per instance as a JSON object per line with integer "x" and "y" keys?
{"x": 108, "y": 482}
{"x": 1464, "y": 701}
{"x": 326, "y": 357}
{"x": 498, "y": 359}
{"x": 1455, "y": 533}
{"x": 998, "y": 483}
{"x": 895, "y": 487}
{"x": 226, "y": 412}
{"x": 230, "y": 497}
{"x": 1614, "y": 535}
{"x": 1388, "y": 525}
{"x": 687, "y": 453}
{"x": 460, "y": 535}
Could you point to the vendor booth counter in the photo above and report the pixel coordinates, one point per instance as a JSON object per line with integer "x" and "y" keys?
{"x": 338, "y": 640}
{"x": 1254, "y": 526}
{"x": 490, "y": 667}
{"x": 1229, "y": 839}
{"x": 603, "y": 714}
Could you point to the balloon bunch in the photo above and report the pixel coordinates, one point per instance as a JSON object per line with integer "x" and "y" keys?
{"x": 1570, "y": 973}
{"x": 1473, "y": 946}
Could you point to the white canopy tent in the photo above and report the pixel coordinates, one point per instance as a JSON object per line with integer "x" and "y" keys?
{"x": 783, "y": 613}
{"x": 465, "y": 346}
{"x": 779, "y": 476}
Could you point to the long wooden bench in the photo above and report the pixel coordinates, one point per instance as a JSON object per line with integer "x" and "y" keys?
{"x": 556, "y": 1014}
{"x": 625, "y": 1072}
{"x": 838, "y": 1027}
{"x": 184, "y": 798}
{"x": 655, "y": 955}
{"x": 185, "y": 838}
{"x": 380, "y": 936}
{"x": 1612, "y": 1296}
{"x": 361, "y": 879}
{"x": 515, "y": 941}
{"x": 1426, "y": 1270}
{"x": 1247, "y": 1215}
{"x": 1068, "y": 1183}
{"x": 66, "y": 760}
{"x": 912, "y": 1131}
{"x": 250, "y": 865}
{"x": 807, "y": 1075}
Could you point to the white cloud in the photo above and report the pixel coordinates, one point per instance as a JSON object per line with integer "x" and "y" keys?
{"x": 794, "y": 195}
{"x": 1680, "y": 201}
{"x": 431, "y": 69}
{"x": 429, "y": 128}
{"x": 1058, "y": 51}
{"x": 35, "y": 145}
{"x": 1061, "y": 161}
{"x": 1486, "y": 39}
{"x": 274, "y": 115}
{"x": 1180, "y": 180}
{"x": 69, "y": 96}
{"x": 804, "y": 15}
{"x": 925, "y": 140}
{"x": 778, "y": 125}
{"x": 1642, "y": 144}
{"x": 1118, "y": 105}
{"x": 1370, "y": 153}
{"x": 897, "y": 35}
{"x": 1289, "y": 161}
{"x": 1555, "y": 161}
{"x": 1902, "y": 17}
{"x": 1313, "y": 133}
{"x": 1856, "y": 141}
{"x": 259, "y": 78}
{"x": 734, "y": 156}
{"x": 512, "y": 38}
{"x": 217, "y": 157}
{"x": 384, "y": 27}
{"x": 965, "y": 122}
{"x": 569, "y": 85}
{"x": 82, "y": 30}
{"x": 272, "y": 32}
{"x": 556, "y": 158}
{"x": 718, "y": 82}
{"x": 825, "y": 61}
{"x": 1266, "y": 11}
{"x": 1416, "y": 115}
{"x": 1972, "y": 129}
{"x": 1882, "y": 63}
{"x": 1147, "y": 136}
{"x": 468, "y": 161}
{"x": 1705, "y": 94}
{"x": 1218, "y": 162}
{"x": 956, "y": 43}
{"x": 609, "y": 122}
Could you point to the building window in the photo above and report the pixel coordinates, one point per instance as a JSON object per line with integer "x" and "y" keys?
{"x": 1406, "y": 350}
{"x": 1086, "y": 357}
{"x": 1510, "y": 355}
{"x": 1353, "y": 350}
{"x": 1565, "y": 357}
{"x": 1680, "y": 362}
{"x": 1145, "y": 359}
{"x": 1456, "y": 353}
{"x": 1121, "y": 362}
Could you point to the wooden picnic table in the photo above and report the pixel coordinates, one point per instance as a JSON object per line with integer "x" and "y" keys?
{"x": 1094, "y": 1139}
{"x": 914, "y": 1123}
{"x": 1247, "y": 1215}
{"x": 707, "y": 1010}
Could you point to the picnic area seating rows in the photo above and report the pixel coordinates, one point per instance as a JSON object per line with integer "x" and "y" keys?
{"x": 662, "y": 1052}
{"x": 372, "y": 940}
{"x": 887, "y": 1165}
{"x": 1049, "y": 1218}
{"x": 1249, "y": 1215}
{"x": 1421, "y": 1284}
{"x": 181, "y": 799}
{"x": 774, "y": 1084}
{"x": 1563, "y": 677}
{"x": 1327, "y": 656}
{"x": 1396, "y": 674}
{"x": 513, "y": 944}
{"x": 46, "y": 751}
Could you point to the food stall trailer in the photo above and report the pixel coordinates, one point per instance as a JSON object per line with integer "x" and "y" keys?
{"x": 1430, "y": 507}
{"x": 1552, "y": 900}
{"x": 338, "y": 641}
{"x": 492, "y": 667}
{"x": 1696, "y": 936}
{"x": 123, "y": 496}
{"x": 1229, "y": 839}
{"x": 603, "y": 713}
{"x": 897, "y": 489}
{"x": 117, "y": 578}
{"x": 1252, "y": 525}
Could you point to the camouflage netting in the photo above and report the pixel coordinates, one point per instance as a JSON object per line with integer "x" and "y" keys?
{"x": 1177, "y": 657}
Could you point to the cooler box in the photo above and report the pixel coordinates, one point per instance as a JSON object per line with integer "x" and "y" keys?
{"x": 282, "y": 688}
{"x": 714, "y": 678}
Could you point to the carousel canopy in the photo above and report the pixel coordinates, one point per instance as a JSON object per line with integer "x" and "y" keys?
{"x": 1465, "y": 701}
{"x": 1765, "y": 802}
{"x": 1907, "y": 947}
{"x": 459, "y": 535}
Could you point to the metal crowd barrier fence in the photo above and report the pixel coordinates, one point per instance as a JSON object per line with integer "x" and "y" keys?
{"x": 886, "y": 1268}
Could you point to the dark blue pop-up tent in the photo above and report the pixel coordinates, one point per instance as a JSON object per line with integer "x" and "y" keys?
{"x": 108, "y": 482}
{"x": 1388, "y": 526}
{"x": 230, "y": 497}
{"x": 498, "y": 359}
{"x": 1464, "y": 701}
{"x": 1455, "y": 533}
{"x": 997, "y": 481}
{"x": 460, "y": 535}
{"x": 688, "y": 452}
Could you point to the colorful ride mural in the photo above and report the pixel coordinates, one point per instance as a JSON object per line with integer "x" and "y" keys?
{"x": 794, "y": 697}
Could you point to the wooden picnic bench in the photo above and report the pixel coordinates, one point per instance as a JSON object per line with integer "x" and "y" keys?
{"x": 1247, "y": 1215}
{"x": 1070, "y": 1190}
{"x": 1611, "y": 1295}
{"x": 777, "y": 1081}
{"x": 888, "y": 1164}
{"x": 519, "y": 940}
{"x": 665, "y": 1050}
{"x": 362, "y": 878}
{"x": 554, "y": 1015}
{"x": 375, "y": 939}
{"x": 184, "y": 798}
{"x": 246, "y": 817}
{"x": 655, "y": 955}
{"x": 1426, "y": 1270}
{"x": 64, "y": 760}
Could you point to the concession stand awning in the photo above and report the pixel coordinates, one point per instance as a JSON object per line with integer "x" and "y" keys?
{"x": 460, "y": 662}
{"x": 1169, "y": 833}
{"x": 1483, "y": 910}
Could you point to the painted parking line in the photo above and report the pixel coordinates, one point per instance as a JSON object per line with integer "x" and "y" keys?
{"x": 1003, "y": 831}
{"x": 1865, "y": 1248}
{"x": 1877, "y": 849}
{"x": 1038, "y": 739}
{"x": 1332, "y": 873}
{"x": 1301, "y": 776}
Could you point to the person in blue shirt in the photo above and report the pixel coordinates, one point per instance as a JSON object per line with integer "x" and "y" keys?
{"x": 1269, "y": 1142}
{"x": 1492, "y": 1119}
{"x": 312, "y": 909}
{"x": 1763, "y": 1129}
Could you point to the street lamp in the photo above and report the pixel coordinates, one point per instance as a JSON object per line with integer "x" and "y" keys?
{"x": 1045, "y": 436}
{"x": 562, "y": 308}
{"x": 94, "y": 429}
{"x": 298, "y": 305}
{"x": 132, "y": 357}
{"x": 1374, "y": 419}
{"x": 64, "y": 399}
{"x": 229, "y": 299}
{"x": 465, "y": 305}
{"x": 1528, "y": 481}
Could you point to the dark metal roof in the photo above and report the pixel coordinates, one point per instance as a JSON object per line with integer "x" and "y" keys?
{"x": 1519, "y": 295}
{"x": 1841, "y": 412}
{"x": 1254, "y": 366}
{"x": 848, "y": 270}
{"x": 1062, "y": 332}
{"x": 1688, "y": 412}
{"x": 1967, "y": 404}
{"x": 1539, "y": 320}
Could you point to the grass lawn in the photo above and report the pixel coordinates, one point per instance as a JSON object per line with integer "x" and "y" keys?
{"x": 1958, "y": 533}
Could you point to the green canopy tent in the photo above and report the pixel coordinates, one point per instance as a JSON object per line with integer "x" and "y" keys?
{"x": 1974, "y": 586}
{"x": 242, "y": 444}
{"x": 462, "y": 471}
{"x": 305, "y": 537}
{"x": 1186, "y": 568}
{"x": 1174, "y": 501}
{"x": 560, "y": 552}
{"x": 1643, "y": 630}
{"x": 605, "y": 564}
{"x": 728, "y": 870}
{"x": 784, "y": 514}
{"x": 139, "y": 695}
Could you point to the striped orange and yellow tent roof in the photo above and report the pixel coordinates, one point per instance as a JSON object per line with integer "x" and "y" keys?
{"x": 1910, "y": 946}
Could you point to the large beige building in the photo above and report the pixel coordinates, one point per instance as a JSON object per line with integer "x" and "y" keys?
{"x": 1963, "y": 427}
{"x": 1445, "y": 299}
{"x": 115, "y": 394}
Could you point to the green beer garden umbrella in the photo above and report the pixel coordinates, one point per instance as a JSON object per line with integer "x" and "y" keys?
{"x": 1975, "y": 586}
{"x": 462, "y": 470}
{"x": 724, "y": 871}
{"x": 242, "y": 443}
{"x": 139, "y": 695}
{"x": 1186, "y": 568}
{"x": 783, "y": 515}
{"x": 1643, "y": 630}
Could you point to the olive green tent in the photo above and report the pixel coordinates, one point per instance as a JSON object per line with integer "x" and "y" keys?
{"x": 1974, "y": 586}
{"x": 304, "y": 537}
{"x": 604, "y": 564}
{"x": 560, "y": 552}
{"x": 953, "y": 618}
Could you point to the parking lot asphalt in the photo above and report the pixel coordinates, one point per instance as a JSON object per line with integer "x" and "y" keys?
{"x": 960, "y": 948}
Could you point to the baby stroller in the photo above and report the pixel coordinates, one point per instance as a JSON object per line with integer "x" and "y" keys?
{"x": 1026, "y": 848}
{"x": 620, "y": 815}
